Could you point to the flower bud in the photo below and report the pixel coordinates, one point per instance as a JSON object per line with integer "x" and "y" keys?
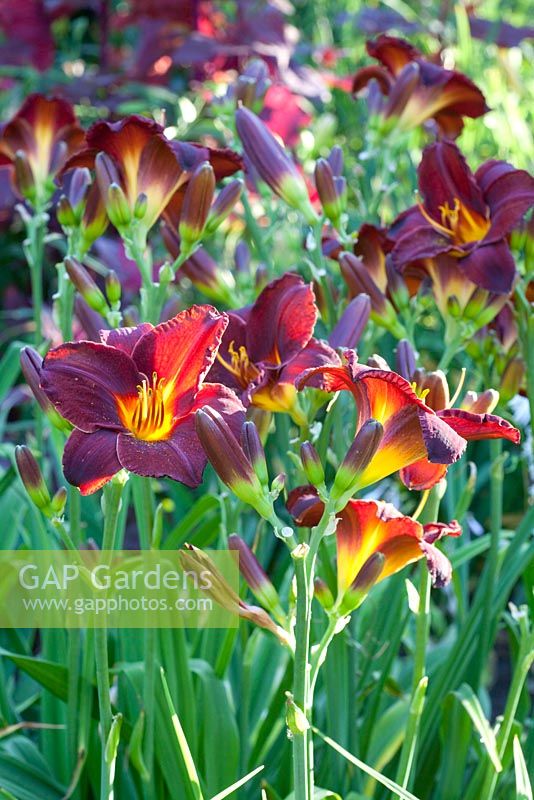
{"x": 118, "y": 208}
{"x": 32, "y": 478}
{"x": 196, "y": 207}
{"x": 242, "y": 257}
{"x": 363, "y": 583}
{"x": 323, "y": 594}
{"x": 251, "y": 86}
{"x": 223, "y": 205}
{"x": 358, "y": 457}
{"x": 273, "y": 164}
{"x": 59, "y": 501}
{"x": 278, "y": 485}
{"x": 91, "y": 322}
{"x": 85, "y": 285}
{"x": 24, "y": 179}
{"x": 311, "y": 464}
{"x": 335, "y": 159}
{"x": 349, "y": 329}
{"x": 435, "y": 386}
{"x": 30, "y": 364}
{"x": 406, "y": 359}
{"x": 397, "y": 288}
{"x": 80, "y": 181}
{"x": 512, "y": 378}
{"x": 296, "y": 720}
{"x": 113, "y": 287}
{"x": 256, "y": 577}
{"x": 95, "y": 219}
{"x": 229, "y": 460}
{"x": 253, "y": 449}
{"x": 65, "y": 213}
{"x": 483, "y": 403}
{"x": 141, "y": 205}
{"x": 401, "y": 92}
{"x": 326, "y": 189}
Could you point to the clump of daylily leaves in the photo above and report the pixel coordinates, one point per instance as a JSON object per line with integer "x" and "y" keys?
{"x": 161, "y": 397}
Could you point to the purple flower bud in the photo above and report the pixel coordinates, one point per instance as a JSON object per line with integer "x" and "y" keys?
{"x": 335, "y": 159}
{"x": 85, "y": 285}
{"x": 30, "y": 364}
{"x": 358, "y": 457}
{"x": 255, "y": 576}
{"x": 24, "y": 180}
{"x": 311, "y": 464}
{"x": 273, "y": 164}
{"x": 363, "y": 583}
{"x": 253, "y": 449}
{"x": 196, "y": 207}
{"x": 229, "y": 461}
{"x": 349, "y": 329}
{"x": 223, "y": 205}
{"x": 32, "y": 478}
{"x": 90, "y": 320}
{"x": 242, "y": 257}
{"x": 252, "y": 84}
{"x": 326, "y": 189}
{"x": 406, "y": 359}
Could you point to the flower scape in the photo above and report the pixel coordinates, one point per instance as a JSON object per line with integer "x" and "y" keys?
{"x": 267, "y": 289}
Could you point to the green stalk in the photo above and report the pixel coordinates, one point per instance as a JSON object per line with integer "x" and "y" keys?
{"x": 256, "y": 233}
{"x": 144, "y": 512}
{"x": 112, "y": 501}
{"x": 429, "y": 513}
{"x": 492, "y": 565}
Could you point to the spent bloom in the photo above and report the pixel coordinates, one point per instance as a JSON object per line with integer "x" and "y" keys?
{"x": 132, "y": 398}
{"x": 416, "y": 89}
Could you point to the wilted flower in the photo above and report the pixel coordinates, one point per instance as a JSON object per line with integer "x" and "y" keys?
{"x": 472, "y": 421}
{"x": 197, "y": 562}
{"x": 416, "y": 89}
{"x": 267, "y": 346}
{"x": 132, "y": 399}
{"x": 411, "y": 429}
{"x": 37, "y": 141}
{"x": 273, "y": 164}
{"x": 374, "y": 541}
{"x": 464, "y": 216}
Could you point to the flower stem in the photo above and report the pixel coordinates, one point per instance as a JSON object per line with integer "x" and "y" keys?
{"x": 428, "y": 513}
{"x": 112, "y": 502}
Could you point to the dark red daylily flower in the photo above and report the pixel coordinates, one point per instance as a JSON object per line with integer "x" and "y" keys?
{"x": 369, "y": 527}
{"x": 132, "y": 399}
{"x": 267, "y": 346}
{"x": 465, "y": 216}
{"x": 472, "y": 421}
{"x": 412, "y": 430}
{"x": 417, "y": 90}
{"x": 45, "y": 132}
{"x": 142, "y": 161}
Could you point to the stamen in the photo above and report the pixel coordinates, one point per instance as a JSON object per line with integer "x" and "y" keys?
{"x": 149, "y": 413}
{"x": 459, "y": 387}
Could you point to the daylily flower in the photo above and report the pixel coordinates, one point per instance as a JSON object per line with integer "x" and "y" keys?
{"x": 465, "y": 216}
{"x": 134, "y": 156}
{"x": 416, "y": 89}
{"x": 367, "y": 528}
{"x": 267, "y": 346}
{"x": 411, "y": 429}
{"x": 472, "y": 421}
{"x": 132, "y": 399}
{"x": 37, "y": 141}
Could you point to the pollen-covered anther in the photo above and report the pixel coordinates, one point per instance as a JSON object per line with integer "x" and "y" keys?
{"x": 149, "y": 413}
{"x": 240, "y": 364}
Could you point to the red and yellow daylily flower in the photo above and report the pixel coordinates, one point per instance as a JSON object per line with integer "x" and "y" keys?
{"x": 416, "y": 89}
{"x": 45, "y": 133}
{"x": 464, "y": 216}
{"x": 132, "y": 399}
{"x": 472, "y": 421}
{"x": 366, "y": 528}
{"x": 134, "y": 154}
{"x": 267, "y": 346}
{"x": 412, "y": 430}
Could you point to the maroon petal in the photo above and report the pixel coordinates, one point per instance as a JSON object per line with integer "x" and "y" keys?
{"x": 443, "y": 444}
{"x": 317, "y": 353}
{"x": 509, "y": 194}
{"x": 90, "y": 459}
{"x": 366, "y": 74}
{"x": 490, "y": 266}
{"x": 82, "y": 380}
{"x": 438, "y": 565}
{"x": 392, "y": 52}
{"x": 443, "y": 175}
{"x": 479, "y": 426}
{"x": 419, "y": 243}
{"x": 125, "y": 339}
{"x": 234, "y": 336}
{"x": 281, "y": 321}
